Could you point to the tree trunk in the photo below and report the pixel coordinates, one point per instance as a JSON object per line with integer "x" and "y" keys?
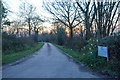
{"x": 29, "y": 26}
{"x": 71, "y": 32}
{"x": 71, "y": 36}
{"x": 17, "y": 32}
{"x": 87, "y": 28}
{"x": 100, "y": 19}
{"x": 81, "y": 32}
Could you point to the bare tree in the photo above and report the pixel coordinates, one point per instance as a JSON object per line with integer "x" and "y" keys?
{"x": 103, "y": 14}
{"x": 36, "y": 21}
{"x": 27, "y": 11}
{"x": 106, "y": 17}
{"x": 65, "y": 12}
{"x": 88, "y": 12}
{"x": 16, "y": 26}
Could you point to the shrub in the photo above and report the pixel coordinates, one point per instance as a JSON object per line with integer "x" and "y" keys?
{"x": 11, "y": 43}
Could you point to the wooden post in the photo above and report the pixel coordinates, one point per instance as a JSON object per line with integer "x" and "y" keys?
{"x": 107, "y": 55}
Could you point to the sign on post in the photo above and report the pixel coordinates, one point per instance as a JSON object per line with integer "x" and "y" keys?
{"x": 103, "y": 51}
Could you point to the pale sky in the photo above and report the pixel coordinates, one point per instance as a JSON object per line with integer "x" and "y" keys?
{"x": 13, "y": 5}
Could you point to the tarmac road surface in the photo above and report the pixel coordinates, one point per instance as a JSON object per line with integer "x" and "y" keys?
{"x": 48, "y": 62}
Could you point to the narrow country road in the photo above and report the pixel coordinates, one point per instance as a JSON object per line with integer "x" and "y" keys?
{"x": 48, "y": 62}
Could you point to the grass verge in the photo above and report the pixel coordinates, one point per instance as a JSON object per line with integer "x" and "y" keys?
{"x": 68, "y": 51}
{"x": 11, "y": 57}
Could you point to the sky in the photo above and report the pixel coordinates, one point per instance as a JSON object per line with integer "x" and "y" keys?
{"x": 13, "y": 5}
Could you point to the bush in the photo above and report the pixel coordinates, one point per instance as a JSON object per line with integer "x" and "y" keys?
{"x": 113, "y": 44}
{"x": 78, "y": 43}
{"x": 11, "y": 43}
{"x": 61, "y": 36}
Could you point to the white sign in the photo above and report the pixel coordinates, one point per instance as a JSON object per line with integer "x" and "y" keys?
{"x": 102, "y": 51}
